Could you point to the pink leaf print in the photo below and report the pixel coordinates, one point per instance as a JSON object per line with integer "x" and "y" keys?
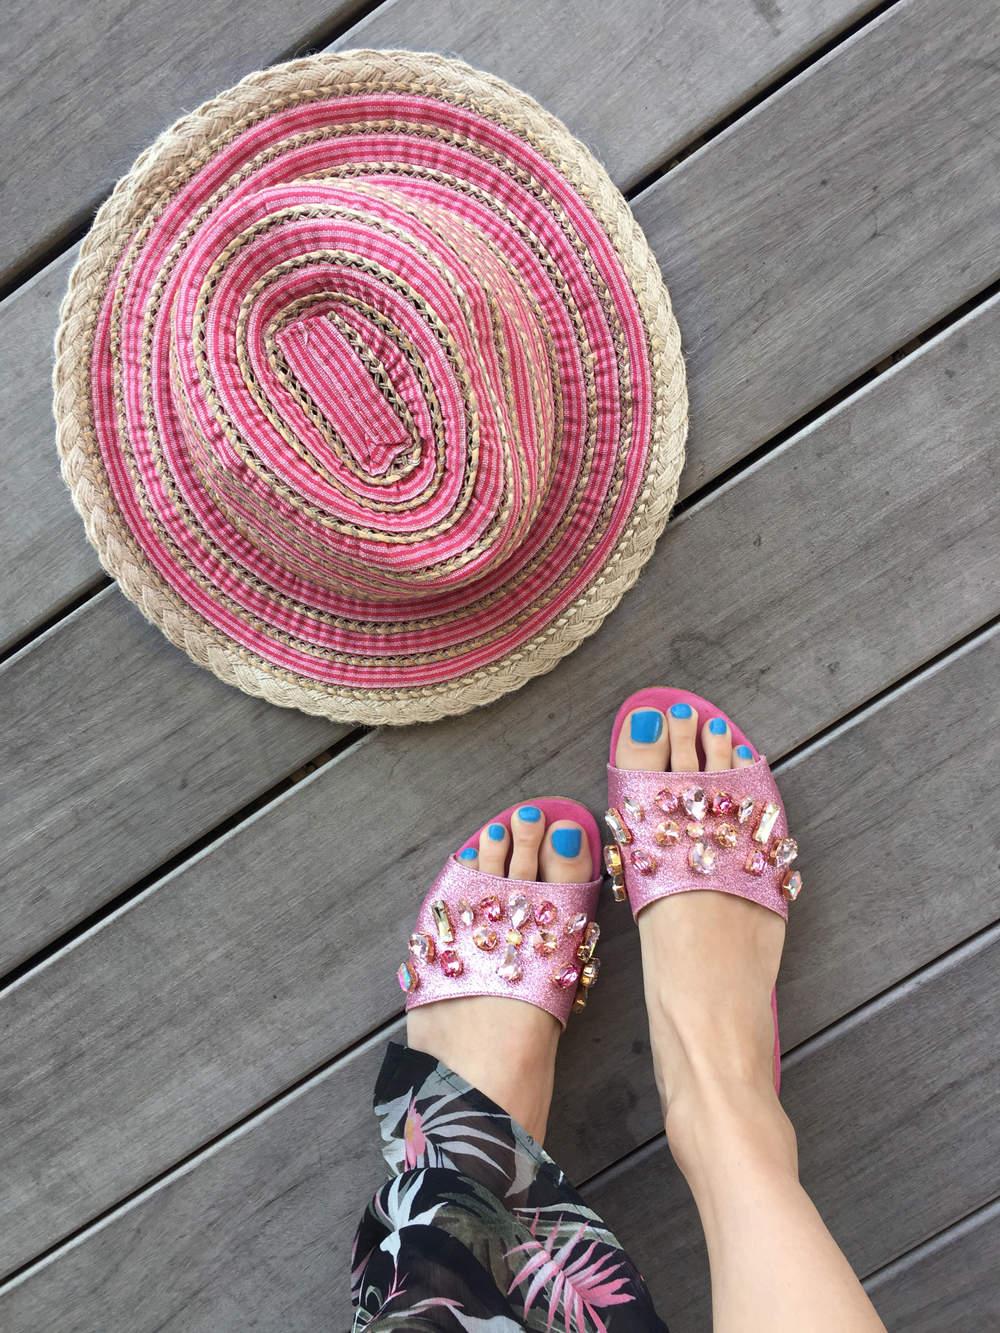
{"x": 413, "y": 1135}
{"x": 581, "y": 1287}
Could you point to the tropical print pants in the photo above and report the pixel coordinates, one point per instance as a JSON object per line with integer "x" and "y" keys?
{"x": 477, "y": 1230}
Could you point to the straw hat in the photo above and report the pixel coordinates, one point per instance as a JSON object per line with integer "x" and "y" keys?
{"x": 368, "y": 387}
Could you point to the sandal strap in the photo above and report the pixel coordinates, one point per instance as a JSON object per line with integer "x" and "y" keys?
{"x": 478, "y": 934}
{"x": 675, "y": 832}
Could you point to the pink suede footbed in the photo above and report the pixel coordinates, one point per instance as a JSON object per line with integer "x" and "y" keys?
{"x": 664, "y": 699}
{"x": 553, "y": 808}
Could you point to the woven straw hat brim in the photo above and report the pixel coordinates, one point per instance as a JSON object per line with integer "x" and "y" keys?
{"x": 156, "y": 176}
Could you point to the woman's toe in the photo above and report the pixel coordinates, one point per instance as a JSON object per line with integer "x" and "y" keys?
{"x": 527, "y": 825}
{"x": 469, "y": 856}
{"x": 682, "y": 723}
{"x": 493, "y": 843}
{"x": 717, "y": 743}
{"x": 742, "y": 756}
{"x": 643, "y": 742}
{"x": 565, "y": 855}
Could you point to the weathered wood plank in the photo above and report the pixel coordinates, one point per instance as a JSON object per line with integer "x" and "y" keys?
{"x": 116, "y": 752}
{"x": 87, "y": 88}
{"x": 263, "y": 1222}
{"x": 947, "y": 1285}
{"x": 45, "y": 558}
{"x": 260, "y": 960}
{"x": 637, "y": 82}
{"x": 897, "y": 1112}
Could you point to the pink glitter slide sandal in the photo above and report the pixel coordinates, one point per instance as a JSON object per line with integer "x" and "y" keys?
{"x": 675, "y": 832}
{"x": 478, "y": 934}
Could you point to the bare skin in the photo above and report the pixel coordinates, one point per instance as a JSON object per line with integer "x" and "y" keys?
{"x": 709, "y": 963}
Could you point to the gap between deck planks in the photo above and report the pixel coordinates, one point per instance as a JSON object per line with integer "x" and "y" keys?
{"x": 668, "y": 103}
{"x": 261, "y": 1223}
{"x": 937, "y": 161}
{"x": 245, "y": 969}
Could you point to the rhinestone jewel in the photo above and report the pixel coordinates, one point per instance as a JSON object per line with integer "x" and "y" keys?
{"x": 580, "y": 1001}
{"x": 695, "y": 830}
{"x": 791, "y": 885}
{"x": 451, "y": 965}
{"x": 643, "y": 862}
{"x": 510, "y": 968}
{"x": 666, "y": 800}
{"x": 566, "y": 976}
{"x": 616, "y": 824}
{"x": 756, "y": 863}
{"x": 722, "y": 803}
{"x": 695, "y": 802}
{"x": 545, "y": 942}
{"x": 408, "y": 978}
{"x": 484, "y": 938}
{"x": 667, "y": 833}
{"x": 745, "y": 809}
{"x": 783, "y": 853}
{"x": 613, "y": 865}
{"x": 576, "y": 923}
{"x": 422, "y": 947}
{"x": 701, "y": 857}
{"x": 589, "y": 971}
{"x": 546, "y": 912}
{"x": 633, "y": 809}
{"x": 520, "y": 910}
{"x": 491, "y": 908}
{"x": 726, "y": 835}
{"x": 439, "y": 911}
{"x": 514, "y": 937}
{"x": 466, "y": 912}
{"x": 590, "y": 937}
{"x": 767, "y": 820}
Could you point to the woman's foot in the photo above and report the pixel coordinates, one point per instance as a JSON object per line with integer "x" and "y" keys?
{"x": 505, "y": 1047}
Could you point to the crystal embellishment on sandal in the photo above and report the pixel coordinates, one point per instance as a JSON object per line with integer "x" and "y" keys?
{"x": 451, "y": 965}
{"x": 633, "y": 809}
{"x": 695, "y": 830}
{"x": 695, "y": 802}
{"x": 666, "y": 800}
{"x": 643, "y": 862}
{"x": 701, "y": 858}
{"x": 617, "y": 825}
{"x": 767, "y": 821}
{"x": 783, "y": 853}
{"x": 484, "y": 938}
{"x": 439, "y": 911}
{"x": 589, "y": 971}
{"x": 580, "y": 1001}
{"x": 576, "y": 923}
{"x": 722, "y": 803}
{"x": 726, "y": 835}
{"x": 422, "y": 947}
{"x": 756, "y": 863}
{"x": 545, "y": 943}
{"x": 466, "y": 912}
{"x": 520, "y": 910}
{"x": 510, "y": 968}
{"x": 791, "y": 885}
{"x": 566, "y": 976}
{"x": 667, "y": 834}
{"x": 514, "y": 937}
{"x": 590, "y": 937}
{"x": 613, "y": 865}
{"x": 408, "y": 978}
{"x": 745, "y": 809}
{"x": 546, "y": 912}
{"x": 491, "y": 908}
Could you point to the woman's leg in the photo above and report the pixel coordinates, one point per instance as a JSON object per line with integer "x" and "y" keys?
{"x": 710, "y": 961}
{"x": 505, "y": 1047}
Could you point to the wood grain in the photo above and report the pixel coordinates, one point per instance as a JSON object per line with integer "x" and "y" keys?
{"x": 897, "y": 1113}
{"x": 116, "y": 752}
{"x": 948, "y": 1284}
{"x": 88, "y": 87}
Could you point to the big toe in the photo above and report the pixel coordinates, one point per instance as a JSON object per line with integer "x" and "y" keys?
{"x": 564, "y": 857}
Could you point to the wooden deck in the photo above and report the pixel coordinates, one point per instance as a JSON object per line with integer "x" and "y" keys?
{"x": 203, "y": 901}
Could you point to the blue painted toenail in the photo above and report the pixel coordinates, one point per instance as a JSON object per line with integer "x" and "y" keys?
{"x": 744, "y": 751}
{"x": 647, "y": 726}
{"x": 530, "y": 814}
{"x": 717, "y": 726}
{"x": 496, "y": 832}
{"x": 468, "y": 854}
{"x": 681, "y": 710}
{"x": 567, "y": 841}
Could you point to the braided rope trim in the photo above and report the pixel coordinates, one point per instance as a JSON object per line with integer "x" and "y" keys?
{"x": 149, "y": 181}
